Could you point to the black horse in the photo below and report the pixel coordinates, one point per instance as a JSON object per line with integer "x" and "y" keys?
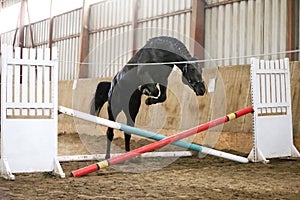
{"x": 137, "y": 78}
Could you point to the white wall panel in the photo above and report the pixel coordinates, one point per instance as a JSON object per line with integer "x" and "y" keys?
{"x": 67, "y": 24}
{"x": 172, "y": 18}
{"x": 40, "y": 32}
{"x": 7, "y": 3}
{"x": 236, "y": 29}
{"x": 8, "y": 38}
{"x": 109, "y": 51}
{"x": 110, "y": 35}
{"x": 66, "y": 32}
{"x": 245, "y": 28}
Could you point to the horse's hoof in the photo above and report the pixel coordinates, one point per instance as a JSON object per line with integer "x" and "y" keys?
{"x": 148, "y": 101}
{"x": 107, "y": 157}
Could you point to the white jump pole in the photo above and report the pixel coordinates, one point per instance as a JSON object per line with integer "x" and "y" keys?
{"x": 102, "y": 156}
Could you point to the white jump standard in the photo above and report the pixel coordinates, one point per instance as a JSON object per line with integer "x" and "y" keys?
{"x": 272, "y": 118}
{"x": 28, "y": 111}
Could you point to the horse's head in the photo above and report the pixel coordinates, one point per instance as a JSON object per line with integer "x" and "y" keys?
{"x": 149, "y": 89}
{"x": 192, "y": 76}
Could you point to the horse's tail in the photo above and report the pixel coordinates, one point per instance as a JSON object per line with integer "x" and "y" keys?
{"x": 100, "y": 97}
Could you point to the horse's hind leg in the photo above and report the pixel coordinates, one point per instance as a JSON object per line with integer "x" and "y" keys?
{"x": 101, "y": 96}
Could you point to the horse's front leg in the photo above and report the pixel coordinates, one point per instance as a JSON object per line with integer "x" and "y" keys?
{"x": 161, "y": 98}
{"x": 134, "y": 106}
{"x": 127, "y": 141}
{"x": 109, "y": 133}
{"x": 109, "y": 138}
{"x": 131, "y": 113}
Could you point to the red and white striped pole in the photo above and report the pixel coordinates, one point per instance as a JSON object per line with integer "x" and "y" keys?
{"x": 161, "y": 143}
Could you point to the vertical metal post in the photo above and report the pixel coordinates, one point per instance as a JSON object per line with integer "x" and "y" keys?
{"x": 292, "y": 27}
{"x": 134, "y": 24}
{"x": 21, "y": 25}
{"x": 50, "y": 42}
{"x": 84, "y": 41}
{"x": 198, "y": 28}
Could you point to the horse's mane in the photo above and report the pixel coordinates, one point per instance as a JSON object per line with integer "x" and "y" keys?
{"x": 169, "y": 44}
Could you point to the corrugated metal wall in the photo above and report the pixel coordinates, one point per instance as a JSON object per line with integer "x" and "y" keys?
{"x": 66, "y": 33}
{"x": 245, "y": 28}
{"x": 236, "y": 29}
{"x": 111, "y": 34}
{"x": 7, "y": 3}
{"x": 8, "y": 37}
{"x": 110, "y": 41}
{"x": 168, "y": 17}
{"x": 40, "y": 38}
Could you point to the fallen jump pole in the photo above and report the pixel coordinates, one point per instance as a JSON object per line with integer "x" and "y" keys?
{"x": 155, "y": 136}
{"x": 155, "y": 145}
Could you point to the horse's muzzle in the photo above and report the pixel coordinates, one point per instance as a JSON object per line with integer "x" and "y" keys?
{"x": 200, "y": 89}
{"x": 201, "y": 92}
